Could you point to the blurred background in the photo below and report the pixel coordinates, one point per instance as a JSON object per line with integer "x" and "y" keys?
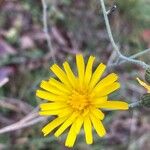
{"x": 74, "y": 26}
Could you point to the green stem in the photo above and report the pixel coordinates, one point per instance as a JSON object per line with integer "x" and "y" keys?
{"x": 135, "y": 104}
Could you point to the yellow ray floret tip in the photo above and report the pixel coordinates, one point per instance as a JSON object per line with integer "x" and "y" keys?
{"x": 146, "y": 86}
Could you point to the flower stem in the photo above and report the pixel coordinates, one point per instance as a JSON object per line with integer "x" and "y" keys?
{"x": 134, "y": 104}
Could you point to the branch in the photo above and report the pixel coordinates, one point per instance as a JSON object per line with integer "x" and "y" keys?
{"x": 131, "y": 57}
{"x": 115, "y": 47}
{"x": 19, "y": 125}
{"x": 135, "y": 104}
{"x": 3, "y": 81}
{"x": 45, "y": 28}
{"x": 141, "y": 53}
{"x": 29, "y": 120}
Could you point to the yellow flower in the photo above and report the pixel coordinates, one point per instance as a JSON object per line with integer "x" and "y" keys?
{"x": 77, "y": 101}
{"x": 144, "y": 85}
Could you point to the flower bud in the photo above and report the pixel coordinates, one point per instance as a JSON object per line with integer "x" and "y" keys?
{"x": 145, "y": 100}
{"x": 147, "y": 75}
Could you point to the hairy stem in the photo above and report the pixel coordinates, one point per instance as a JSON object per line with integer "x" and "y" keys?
{"x": 45, "y": 28}
{"x": 135, "y": 104}
{"x": 115, "y": 47}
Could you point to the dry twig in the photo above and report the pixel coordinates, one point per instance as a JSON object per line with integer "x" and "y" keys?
{"x": 29, "y": 120}
{"x": 45, "y": 28}
{"x": 3, "y": 81}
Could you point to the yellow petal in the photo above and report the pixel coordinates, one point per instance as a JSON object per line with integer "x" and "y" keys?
{"x": 80, "y": 67}
{"x": 98, "y": 101}
{"x": 69, "y": 73}
{"x": 60, "y": 74}
{"x": 98, "y": 126}
{"x": 48, "y": 87}
{"x": 66, "y": 112}
{"x": 85, "y": 112}
{"x": 88, "y": 71}
{"x": 62, "y": 87}
{"x": 71, "y": 137}
{"x": 52, "y": 125}
{"x": 144, "y": 85}
{"x": 88, "y": 130}
{"x": 74, "y": 131}
{"x": 107, "y": 90}
{"x": 115, "y": 105}
{"x": 78, "y": 124}
{"x": 108, "y": 80}
{"x": 97, "y": 113}
{"x": 97, "y": 75}
{"x": 66, "y": 124}
{"x": 52, "y": 106}
{"x": 49, "y": 96}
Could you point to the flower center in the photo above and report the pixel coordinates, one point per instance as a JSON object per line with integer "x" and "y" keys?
{"x": 79, "y": 100}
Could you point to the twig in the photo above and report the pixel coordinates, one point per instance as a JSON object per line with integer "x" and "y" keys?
{"x": 19, "y": 125}
{"x": 15, "y": 104}
{"x": 7, "y": 105}
{"x": 3, "y": 81}
{"x": 137, "y": 62}
{"x": 31, "y": 115}
{"x": 108, "y": 28}
{"x": 45, "y": 28}
{"x": 134, "y": 104}
{"x": 111, "y": 58}
{"x": 140, "y": 53}
{"x": 133, "y": 56}
{"x": 115, "y": 47}
{"x": 29, "y": 120}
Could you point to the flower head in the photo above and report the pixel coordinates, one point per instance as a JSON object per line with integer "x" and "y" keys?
{"x": 77, "y": 100}
{"x": 147, "y": 87}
